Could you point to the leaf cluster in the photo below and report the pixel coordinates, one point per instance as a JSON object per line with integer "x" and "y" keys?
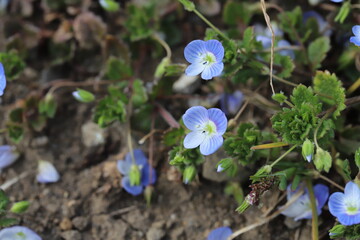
{"x": 345, "y": 232}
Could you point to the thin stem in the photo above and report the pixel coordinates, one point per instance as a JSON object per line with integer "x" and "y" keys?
{"x": 318, "y": 127}
{"x": 285, "y": 81}
{"x": 164, "y": 44}
{"x": 211, "y": 25}
{"x": 330, "y": 181}
{"x": 268, "y": 23}
{"x": 314, "y": 222}
{"x": 282, "y": 156}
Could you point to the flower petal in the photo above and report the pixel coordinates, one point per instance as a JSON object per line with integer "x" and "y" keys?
{"x": 221, "y": 233}
{"x": 219, "y": 118}
{"x": 211, "y": 144}
{"x": 195, "y": 116}
{"x": 265, "y": 41}
{"x": 216, "y": 48}
{"x": 337, "y": 204}
{"x": 16, "y": 232}
{"x": 140, "y": 157}
{"x": 145, "y": 175}
{"x": 356, "y": 30}
{"x": 212, "y": 70}
{"x": 321, "y": 192}
{"x": 47, "y": 172}
{"x": 352, "y": 194}
{"x": 194, "y": 50}
{"x": 348, "y": 220}
{"x": 194, "y": 69}
{"x": 2, "y": 79}
{"x": 133, "y": 190}
{"x": 8, "y": 155}
{"x": 355, "y": 40}
{"x": 300, "y": 209}
{"x": 123, "y": 167}
{"x": 193, "y": 139}
{"x": 286, "y": 52}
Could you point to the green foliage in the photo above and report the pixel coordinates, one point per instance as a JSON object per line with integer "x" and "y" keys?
{"x": 161, "y": 68}
{"x": 173, "y": 136}
{"x": 238, "y": 146}
{"x": 330, "y": 91}
{"x": 13, "y": 64}
{"x": 345, "y": 232}
{"x": 20, "y": 207}
{"x": 287, "y": 65}
{"x": 344, "y": 12}
{"x": 139, "y": 21}
{"x": 357, "y": 158}
{"x": 235, "y": 13}
{"x": 111, "y": 108}
{"x": 189, "y": 173}
{"x": 290, "y": 21}
{"x": 117, "y": 69}
{"x": 317, "y": 51}
{"x": 175, "y": 69}
{"x": 7, "y": 222}
{"x": 110, "y": 5}
{"x": 342, "y": 167}
{"x": 229, "y": 166}
{"x": 16, "y": 132}
{"x": 279, "y": 97}
{"x": 48, "y": 106}
{"x": 84, "y": 96}
{"x": 188, "y": 5}
{"x": 139, "y": 95}
{"x": 234, "y": 189}
{"x": 322, "y": 160}
{"x": 307, "y": 150}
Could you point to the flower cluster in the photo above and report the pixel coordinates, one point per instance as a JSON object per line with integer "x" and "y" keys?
{"x": 2, "y": 79}
{"x": 221, "y": 233}
{"x": 205, "y": 58}
{"x": 346, "y": 206}
{"x": 18, "y": 233}
{"x": 207, "y": 127}
{"x": 137, "y": 173}
{"x": 301, "y": 208}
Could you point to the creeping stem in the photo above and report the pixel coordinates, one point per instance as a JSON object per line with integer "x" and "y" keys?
{"x": 282, "y": 156}
{"x": 314, "y": 222}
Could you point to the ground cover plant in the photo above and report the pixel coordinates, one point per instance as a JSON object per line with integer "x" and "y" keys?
{"x": 182, "y": 119}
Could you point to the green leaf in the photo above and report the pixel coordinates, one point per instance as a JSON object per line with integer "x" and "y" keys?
{"x": 322, "y": 160}
{"x": 83, "y": 96}
{"x": 344, "y": 12}
{"x": 161, "y": 68}
{"x": 286, "y": 63}
{"x": 48, "y": 106}
{"x": 16, "y": 115}
{"x": 307, "y": 150}
{"x": 279, "y": 97}
{"x": 20, "y": 207}
{"x": 291, "y": 20}
{"x": 357, "y": 158}
{"x": 117, "y": 69}
{"x": 343, "y": 168}
{"x": 175, "y": 69}
{"x": 188, "y": 5}
{"x": 13, "y": 65}
{"x": 4, "y": 200}
{"x": 139, "y": 95}
{"x": 140, "y": 22}
{"x": 234, "y": 189}
{"x": 189, "y": 174}
{"x": 173, "y": 136}
{"x": 16, "y": 133}
{"x": 317, "y": 51}
{"x": 110, "y": 5}
{"x": 330, "y": 90}
{"x": 235, "y": 13}
{"x": 7, "y": 222}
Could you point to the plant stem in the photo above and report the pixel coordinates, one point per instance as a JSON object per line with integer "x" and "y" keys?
{"x": 282, "y": 156}
{"x": 163, "y": 44}
{"x": 314, "y": 222}
{"x": 318, "y": 127}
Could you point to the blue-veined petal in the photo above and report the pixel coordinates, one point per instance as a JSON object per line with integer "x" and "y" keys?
{"x": 195, "y": 117}
{"x": 356, "y": 30}
{"x": 352, "y": 194}
{"x": 337, "y": 204}
{"x": 321, "y": 193}
{"x": 47, "y": 173}
{"x": 145, "y": 175}
{"x": 216, "y": 48}
{"x": 355, "y": 40}
{"x": 194, "y": 50}
{"x": 219, "y": 118}
{"x": 221, "y": 233}
{"x": 133, "y": 190}
{"x": 348, "y": 220}
{"x": 212, "y": 70}
{"x": 2, "y": 79}
{"x": 18, "y": 233}
{"x": 8, "y": 155}
{"x": 211, "y": 144}
{"x": 195, "y": 69}
{"x": 193, "y": 139}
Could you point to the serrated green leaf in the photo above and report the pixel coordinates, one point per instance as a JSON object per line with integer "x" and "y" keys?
{"x": 322, "y": 160}
{"x": 4, "y": 200}
{"x": 317, "y": 51}
{"x": 357, "y": 158}
{"x": 279, "y": 97}
{"x": 287, "y": 65}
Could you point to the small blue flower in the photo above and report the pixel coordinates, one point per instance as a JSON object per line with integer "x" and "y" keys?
{"x": 323, "y": 25}
{"x": 337, "y": 1}
{"x": 18, "y": 233}
{"x": 207, "y": 127}
{"x": 301, "y": 208}
{"x": 221, "y": 233}
{"x": 125, "y": 167}
{"x": 47, "y": 173}
{"x": 231, "y": 103}
{"x": 2, "y": 79}
{"x": 346, "y": 206}
{"x": 8, "y": 155}
{"x": 205, "y": 58}
{"x": 356, "y": 39}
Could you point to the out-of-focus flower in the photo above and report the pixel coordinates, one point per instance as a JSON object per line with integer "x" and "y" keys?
{"x": 285, "y": 52}
{"x": 301, "y": 208}
{"x": 3, "y": 5}
{"x": 314, "y": 2}
{"x": 346, "y": 206}
{"x": 323, "y": 25}
{"x": 231, "y": 103}
{"x": 207, "y": 127}
{"x": 2, "y": 79}
{"x": 221, "y": 233}
{"x": 337, "y": 1}
{"x": 47, "y": 173}
{"x": 356, "y": 39}
{"x": 136, "y": 175}
{"x": 18, "y": 233}
{"x": 8, "y": 155}
{"x": 205, "y": 58}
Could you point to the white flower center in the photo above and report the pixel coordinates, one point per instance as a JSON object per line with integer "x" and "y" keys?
{"x": 208, "y": 128}
{"x": 208, "y": 59}
{"x": 351, "y": 209}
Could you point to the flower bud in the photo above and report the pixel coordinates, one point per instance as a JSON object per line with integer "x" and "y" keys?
{"x": 189, "y": 174}
{"x": 134, "y": 175}
{"x": 224, "y": 164}
{"x": 308, "y": 150}
{"x": 20, "y": 207}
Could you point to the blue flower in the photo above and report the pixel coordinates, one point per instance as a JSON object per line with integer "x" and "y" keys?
{"x": 337, "y": 1}
{"x": 231, "y": 103}
{"x": 356, "y": 39}
{"x": 126, "y": 166}
{"x": 207, "y": 127}
{"x": 18, "y": 233}
{"x": 8, "y": 155}
{"x": 2, "y": 80}
{"x": 221, "y": 233}
{"x": 323, "y": 25}
{"x": 346, "y": 206}
{"x": 301, "y": 208}
{"x": 47, "y": 173}
{"x": 205, "y": 58}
